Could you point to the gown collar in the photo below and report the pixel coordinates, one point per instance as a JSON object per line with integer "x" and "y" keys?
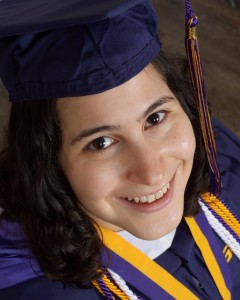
{"x": 152, "y": 248}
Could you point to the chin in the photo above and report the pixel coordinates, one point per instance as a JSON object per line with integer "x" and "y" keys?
{"x": 154, "y": 233}
{"x": 150, "y": 236}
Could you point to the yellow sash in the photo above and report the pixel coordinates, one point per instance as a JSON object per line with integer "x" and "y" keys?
{"x": 159, "y": 275}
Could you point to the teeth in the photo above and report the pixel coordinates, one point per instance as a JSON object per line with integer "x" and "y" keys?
{"x": 143, "y": 199}
{"x": 164, "y": 190}
{"x": 159, "y": 195}
{"x": 150, "y": 198}
{"x": 136, "y": 199}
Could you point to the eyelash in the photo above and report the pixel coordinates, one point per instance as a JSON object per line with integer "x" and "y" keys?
{"x": 155, "y": 113}
{"x": 98, "y": 151}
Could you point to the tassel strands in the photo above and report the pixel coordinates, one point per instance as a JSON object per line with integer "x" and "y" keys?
{"x": 196, "y": 72}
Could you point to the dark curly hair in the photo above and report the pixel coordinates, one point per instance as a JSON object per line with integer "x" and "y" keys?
{"x": 35, "y": 192}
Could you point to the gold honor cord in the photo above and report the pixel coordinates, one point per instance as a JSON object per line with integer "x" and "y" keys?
{"x": 111, "y": 286}
{"x": 158, "y": 274}
{"x": 222, "y": 211}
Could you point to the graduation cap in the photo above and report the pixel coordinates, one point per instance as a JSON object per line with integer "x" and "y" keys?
{"x": 59, "y": 48}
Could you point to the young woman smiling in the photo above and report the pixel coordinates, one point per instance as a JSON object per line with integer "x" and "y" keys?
{"x": 105, "y": 169}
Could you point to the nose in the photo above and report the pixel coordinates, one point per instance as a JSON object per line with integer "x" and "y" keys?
{"x": 145, "y": 165}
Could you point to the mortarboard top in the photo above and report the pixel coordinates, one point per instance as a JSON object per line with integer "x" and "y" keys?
{"x": 19, "y": 17}
{"x": 59, "y": 48}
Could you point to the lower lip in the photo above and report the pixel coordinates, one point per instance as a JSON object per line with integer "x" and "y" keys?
{"x": 154, "y": 206}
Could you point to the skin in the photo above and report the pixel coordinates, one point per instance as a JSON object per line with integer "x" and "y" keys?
{"x": 150, "y": 142}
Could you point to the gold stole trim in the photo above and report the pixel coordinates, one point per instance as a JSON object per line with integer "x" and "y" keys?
{"x": 208, "y": 257}
{"x": 158, "y": 274}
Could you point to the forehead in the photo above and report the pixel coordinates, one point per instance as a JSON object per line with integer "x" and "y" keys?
{"x": 142, "y": 89}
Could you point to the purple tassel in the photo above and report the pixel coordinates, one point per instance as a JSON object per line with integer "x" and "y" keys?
{"x": 195, "y": 66}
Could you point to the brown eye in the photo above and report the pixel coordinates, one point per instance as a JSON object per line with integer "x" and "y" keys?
{"x": 155, "y": 118}
{"x": 100, "y": 143}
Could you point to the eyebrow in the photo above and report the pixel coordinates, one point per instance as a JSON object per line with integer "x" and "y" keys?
{"x": 91, "y": 131}
{"x": 156, "y": 104}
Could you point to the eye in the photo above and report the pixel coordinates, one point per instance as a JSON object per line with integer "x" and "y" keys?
{"x": 100, "y": 143}
{"x": 155, "y": 118}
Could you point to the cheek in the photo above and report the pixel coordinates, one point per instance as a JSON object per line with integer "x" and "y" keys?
{"x": 90, "y": 180}
{"x": 184, "y": 141}
{"x": 187, "y": 146}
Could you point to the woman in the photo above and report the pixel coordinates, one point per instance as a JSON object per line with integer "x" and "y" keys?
{"x": 103, "y": 159}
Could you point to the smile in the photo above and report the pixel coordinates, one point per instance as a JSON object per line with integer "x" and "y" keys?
{"x": 150, "y": 198}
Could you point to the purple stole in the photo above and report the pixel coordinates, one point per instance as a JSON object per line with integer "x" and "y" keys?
{"x": 154, "y": 281}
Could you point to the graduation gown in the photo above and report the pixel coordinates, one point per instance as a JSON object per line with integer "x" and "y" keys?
{"x": 23, "y": 280}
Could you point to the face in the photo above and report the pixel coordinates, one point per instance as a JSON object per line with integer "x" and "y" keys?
{"x": 128, "y": 154}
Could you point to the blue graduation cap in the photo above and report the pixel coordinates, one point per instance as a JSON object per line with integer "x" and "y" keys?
{"x": 59, "y": 48}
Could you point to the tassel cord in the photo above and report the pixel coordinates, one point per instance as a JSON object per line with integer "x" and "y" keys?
{"x": 199, "y": 88}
